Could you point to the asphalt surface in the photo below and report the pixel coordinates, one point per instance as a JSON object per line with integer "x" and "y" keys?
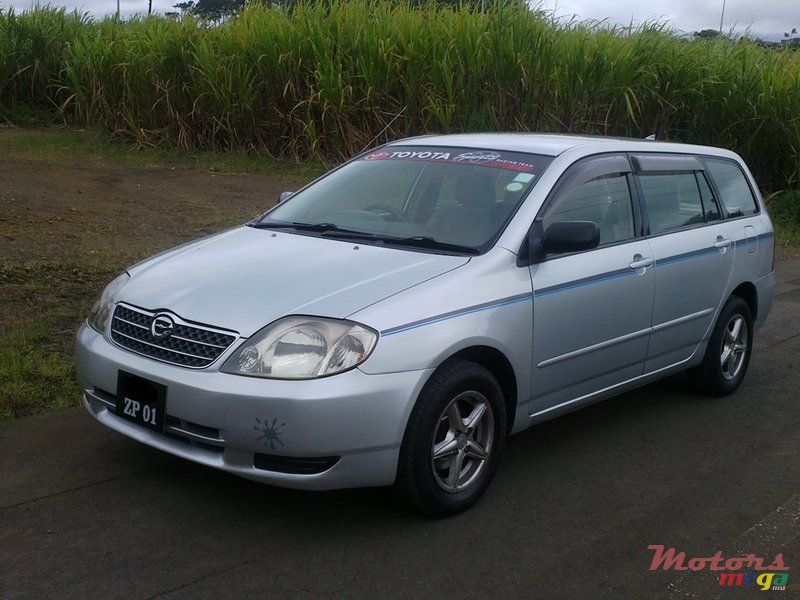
{"x": 88, "y": 513}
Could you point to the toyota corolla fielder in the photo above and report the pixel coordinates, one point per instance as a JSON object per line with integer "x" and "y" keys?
{"x": 394, "y": 321}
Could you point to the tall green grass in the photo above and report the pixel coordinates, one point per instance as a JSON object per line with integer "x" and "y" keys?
{"x": 328, "y": 78}
{"x": 784, "y": 208}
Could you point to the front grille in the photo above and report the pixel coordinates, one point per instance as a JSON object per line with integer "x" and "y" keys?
{"x": 189, "y": 345}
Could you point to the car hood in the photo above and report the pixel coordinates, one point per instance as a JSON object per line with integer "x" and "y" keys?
{"x": 245, "y": 278}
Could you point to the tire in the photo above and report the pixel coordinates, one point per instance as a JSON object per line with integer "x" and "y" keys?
{"x": 447, "y": 461}
{"x": 728, "y": 352}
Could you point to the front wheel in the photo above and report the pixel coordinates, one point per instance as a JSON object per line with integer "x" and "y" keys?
{"x": 728, "y": 353}
{"x": 453, "y": 440}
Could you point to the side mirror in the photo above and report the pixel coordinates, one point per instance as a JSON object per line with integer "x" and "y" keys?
{"x": 571, "y": 236}
{"x": 284, "y": 196}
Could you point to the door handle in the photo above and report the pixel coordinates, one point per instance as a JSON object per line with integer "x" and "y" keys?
{"x": 639, "y": 262}
{"x": 722, "y": 243}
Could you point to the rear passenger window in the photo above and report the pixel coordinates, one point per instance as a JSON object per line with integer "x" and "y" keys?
{"x": 734, "y": 191}
{"x": 605, "y": 200}
{"x": 672, "y": 200}
{"x": 710, "y": 206}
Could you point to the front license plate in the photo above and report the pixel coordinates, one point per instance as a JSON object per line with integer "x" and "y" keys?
{"x": 141, "y": 401}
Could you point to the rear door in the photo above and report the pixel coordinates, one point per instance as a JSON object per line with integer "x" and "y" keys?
{"x": 693, "y": 250}
{"x": 754, "y": 237}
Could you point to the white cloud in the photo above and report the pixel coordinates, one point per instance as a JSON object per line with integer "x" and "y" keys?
{"x": 766, "y": 18}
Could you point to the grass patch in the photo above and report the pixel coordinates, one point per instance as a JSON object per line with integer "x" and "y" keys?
{"x": 784, "y": 209}
{"x": 36, "y": 370}
{"x": 43, "y": 304}
{"x": 28, "y": 116}
{"x": 67, "y": 145}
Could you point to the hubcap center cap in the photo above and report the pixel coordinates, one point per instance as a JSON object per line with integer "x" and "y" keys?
{"x": 461, "y": 441}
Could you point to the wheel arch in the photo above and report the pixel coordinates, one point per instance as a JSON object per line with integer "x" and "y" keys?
{"x": 500, "y": 367}
{"x": 747, "y": 292}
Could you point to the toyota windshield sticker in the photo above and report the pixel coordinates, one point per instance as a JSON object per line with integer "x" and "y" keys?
{"x": 486, "y": 158}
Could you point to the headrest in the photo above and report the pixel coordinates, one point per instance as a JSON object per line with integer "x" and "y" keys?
{"x": 475, "y": 188}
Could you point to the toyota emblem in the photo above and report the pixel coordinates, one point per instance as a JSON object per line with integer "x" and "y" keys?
{"x": 162, "y": 327}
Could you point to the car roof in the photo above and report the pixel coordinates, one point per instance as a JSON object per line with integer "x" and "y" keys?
{"x": 554, "y": 144}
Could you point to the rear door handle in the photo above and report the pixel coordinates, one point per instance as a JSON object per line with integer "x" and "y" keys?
{"x": 640, "y": 263}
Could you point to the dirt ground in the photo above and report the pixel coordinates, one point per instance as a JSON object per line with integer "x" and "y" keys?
{"x": 63, "y": 225}
{"x": 67, "y": 227}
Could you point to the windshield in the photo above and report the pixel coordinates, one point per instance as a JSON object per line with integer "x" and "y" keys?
{"x": 450, "y": 199}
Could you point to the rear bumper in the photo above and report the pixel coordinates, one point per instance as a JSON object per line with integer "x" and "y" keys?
{"x": 765, "y": 292}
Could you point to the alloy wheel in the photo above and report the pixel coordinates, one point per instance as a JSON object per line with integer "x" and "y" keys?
{"x": 734, "y": 347}
{"x": 462, "y": 441}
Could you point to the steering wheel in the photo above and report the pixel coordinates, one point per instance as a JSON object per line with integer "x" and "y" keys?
{"x": 388, "y": 210}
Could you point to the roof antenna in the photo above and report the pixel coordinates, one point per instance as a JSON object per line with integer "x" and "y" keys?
{"x": 389, "y": 124}
{"x": 651, "y": 137}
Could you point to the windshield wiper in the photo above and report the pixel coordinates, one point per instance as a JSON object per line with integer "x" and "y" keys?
{"x": 429, "y": 243}
{"x": 326, "y": 229}
{"x": 332, "y": 230}
{"x": 294, "y": 225}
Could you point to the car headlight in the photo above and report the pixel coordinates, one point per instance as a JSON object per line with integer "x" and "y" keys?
{"x": 101, "y": 311}
{"x": 303, "y": 348}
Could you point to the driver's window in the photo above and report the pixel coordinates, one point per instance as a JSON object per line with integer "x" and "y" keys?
{"x": 605, "y": 200}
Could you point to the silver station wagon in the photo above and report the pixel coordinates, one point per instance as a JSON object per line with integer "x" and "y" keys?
{"x": 395, "y": 320}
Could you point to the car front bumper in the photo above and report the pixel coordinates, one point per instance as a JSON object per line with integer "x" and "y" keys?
{"x": 335, "y": 432}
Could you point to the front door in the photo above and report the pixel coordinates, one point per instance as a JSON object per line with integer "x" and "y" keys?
{"x": 591, "y": 310}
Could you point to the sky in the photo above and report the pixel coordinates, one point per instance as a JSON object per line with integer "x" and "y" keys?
{"x": 767, "y": 19}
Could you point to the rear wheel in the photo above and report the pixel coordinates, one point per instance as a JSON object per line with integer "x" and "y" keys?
{"x": 453, "y": 440}
{"x": 728, "y": 353}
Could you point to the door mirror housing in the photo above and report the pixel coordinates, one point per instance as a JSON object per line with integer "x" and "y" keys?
{"x": 571, "y": 236}
{"x": 284, "y": 196}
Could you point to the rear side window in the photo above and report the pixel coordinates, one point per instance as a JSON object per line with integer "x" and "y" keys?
{"x": 734, "y": 191}
{"x": 672, "y": 200}
{"x": 710, "y": 205}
